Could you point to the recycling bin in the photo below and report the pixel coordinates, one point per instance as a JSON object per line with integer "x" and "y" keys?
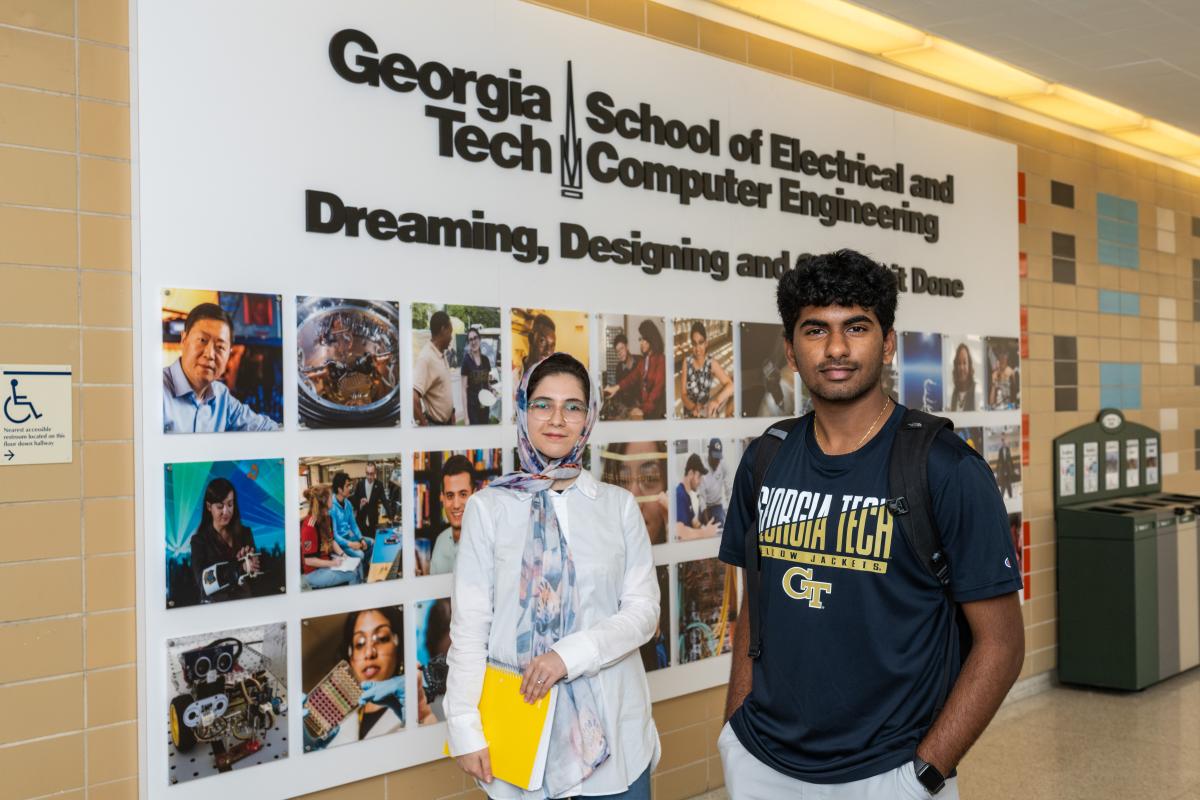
{"x": 1129, "y": 590}
{"x": 1108, "y": 595}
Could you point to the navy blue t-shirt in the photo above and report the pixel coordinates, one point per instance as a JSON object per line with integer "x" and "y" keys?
{"x": 854, "y": 630}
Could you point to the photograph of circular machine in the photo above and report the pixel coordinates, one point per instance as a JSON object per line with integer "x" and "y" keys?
{"x": 347, "y": 355}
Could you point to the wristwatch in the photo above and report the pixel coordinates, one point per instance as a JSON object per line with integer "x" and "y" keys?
{"x": 928, "y": 775}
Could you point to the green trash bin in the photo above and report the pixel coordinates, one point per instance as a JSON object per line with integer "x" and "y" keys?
{"x": 1108, "y": 628}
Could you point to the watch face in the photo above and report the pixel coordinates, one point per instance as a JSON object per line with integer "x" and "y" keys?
{"x": 930, "y": 778}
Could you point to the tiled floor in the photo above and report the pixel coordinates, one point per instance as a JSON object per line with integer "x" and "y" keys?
{"x": 1077, "y": 744}
{"x": 1069, "y": 743}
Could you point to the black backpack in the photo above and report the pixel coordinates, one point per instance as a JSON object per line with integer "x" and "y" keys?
{"x": 910, "y": 504}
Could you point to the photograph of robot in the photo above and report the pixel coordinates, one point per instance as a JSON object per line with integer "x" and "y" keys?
{"x": 228, "y": 701}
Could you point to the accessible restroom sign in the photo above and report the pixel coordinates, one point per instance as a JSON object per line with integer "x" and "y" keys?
{"x": 35, "y": 422}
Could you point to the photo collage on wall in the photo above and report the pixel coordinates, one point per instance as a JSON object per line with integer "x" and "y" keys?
{"x": 456, "y": 364}
{"x": 347, "y": 363}
{"x": 540, "y": 332}
{"x": 704, "y": 384}
{"x": 353, "y": 676}
{"x": 227, "y": 528}
{"x": 228, "y": 701}
{"x": 633, "y": 367}
{"x": 443, "y": 482}
{"x": 708, "y": 605}
{"x": 351, "y": 529}
{"x": 768, "y": 382}
{"x": 705, "y": 468}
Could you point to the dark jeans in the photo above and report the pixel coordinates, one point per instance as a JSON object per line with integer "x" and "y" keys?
{"x": 638, "y": 790}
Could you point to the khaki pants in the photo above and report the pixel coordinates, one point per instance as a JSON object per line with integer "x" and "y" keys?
{"x": 747, "y": 778}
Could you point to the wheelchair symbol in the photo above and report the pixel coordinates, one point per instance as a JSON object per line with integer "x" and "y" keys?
{"x": 16, "y": 401}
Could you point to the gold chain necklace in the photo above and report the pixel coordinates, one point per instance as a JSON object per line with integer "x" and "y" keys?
{"x": 886, "y": 403}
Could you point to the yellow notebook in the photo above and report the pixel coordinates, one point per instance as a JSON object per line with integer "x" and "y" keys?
{"x": 518, "y": 733}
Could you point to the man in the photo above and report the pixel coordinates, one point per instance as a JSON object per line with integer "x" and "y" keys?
{"x": 625, "y": 394}
{"x": 1006, "y": 471}
{"x": 687, "y": 504}
{"x": 543, "y": 340}
{"x": 458, "y": 484}
{"x": 476, "y": 377}
{"x": 1002, "y": 393}
{"x": 859, "y": 648}
{"x": 195, "y": 400}
{"x": 345, "y": 526}
{"x": 369, "y": 494}
{"x": 714, "y": 487}
{"x": 433, "y": 403}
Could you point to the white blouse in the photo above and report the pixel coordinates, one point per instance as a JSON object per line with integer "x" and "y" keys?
{"x": 618, "y": 612}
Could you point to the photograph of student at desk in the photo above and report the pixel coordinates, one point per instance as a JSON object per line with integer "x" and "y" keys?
{"x": 350, "y": 525}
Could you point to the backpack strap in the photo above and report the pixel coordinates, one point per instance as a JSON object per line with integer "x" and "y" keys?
{"x": 768, "y": 445}
{"x": 908, "y": 483}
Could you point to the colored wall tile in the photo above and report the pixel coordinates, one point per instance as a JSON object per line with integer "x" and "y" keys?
{"x": 1062, "y": 194}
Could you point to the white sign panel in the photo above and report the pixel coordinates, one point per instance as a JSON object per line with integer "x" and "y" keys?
{"x": 360, "y": 163}
{"x": 1066, "y": 470}
{"x": 36, "y": 420}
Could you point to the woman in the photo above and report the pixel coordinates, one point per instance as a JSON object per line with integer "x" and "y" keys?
{"x": 320, "y": 554}
{"x": 555, "y": 576}
{"x": 962, "y": 398}
{"x": 224, "y": 560}
{"x": 641, "y": 467}
{"x": 373, "y": 646}
{"x": 648, "y": 378}
{"x": 702, "y": 374}
{"x": 476, "y": 373}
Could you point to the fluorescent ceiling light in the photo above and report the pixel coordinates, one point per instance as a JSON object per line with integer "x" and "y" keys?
{"x": 965, "y": 67}
{"x": 1161, "y": 138}
{"x": 834, "y": 21}
{"x": 1078, "y": 108}
{"x": 857, "y": 28}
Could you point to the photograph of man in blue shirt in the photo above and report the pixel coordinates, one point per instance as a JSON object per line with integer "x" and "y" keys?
{"x": 195, "y": 400}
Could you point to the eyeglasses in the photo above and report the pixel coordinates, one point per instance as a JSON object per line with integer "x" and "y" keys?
{"x": 543, "y": 410}
{"x": 379, "y": 637}
{"x": 645, "y": 477}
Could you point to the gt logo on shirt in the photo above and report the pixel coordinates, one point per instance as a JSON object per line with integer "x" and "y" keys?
{"x": 809, "y": 590}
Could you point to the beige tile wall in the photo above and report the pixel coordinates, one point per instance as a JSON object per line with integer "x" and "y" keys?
{"x": 67, "y": 675}
{"x": 66, "y": 565}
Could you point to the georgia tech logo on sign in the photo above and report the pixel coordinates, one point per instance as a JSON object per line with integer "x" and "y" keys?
{"x": 809, "y": 589}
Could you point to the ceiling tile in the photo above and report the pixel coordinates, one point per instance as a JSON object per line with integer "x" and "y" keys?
{"x": 1143, "y": 54}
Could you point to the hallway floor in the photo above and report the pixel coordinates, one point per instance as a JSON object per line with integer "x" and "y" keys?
{"x": 1077, "y": 744}
{"x": 1068, "y": 743}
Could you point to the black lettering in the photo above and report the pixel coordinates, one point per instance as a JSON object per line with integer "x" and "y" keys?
{"x": 368, "y": 71}
{"x": 919, "y": 279}
{"x": 599, "y": 106}
{"x": 315, "y": 203}
{"x": 446, "y": 118}
{"x": 398, "y": 73}
{"x": 572, "y": 240}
